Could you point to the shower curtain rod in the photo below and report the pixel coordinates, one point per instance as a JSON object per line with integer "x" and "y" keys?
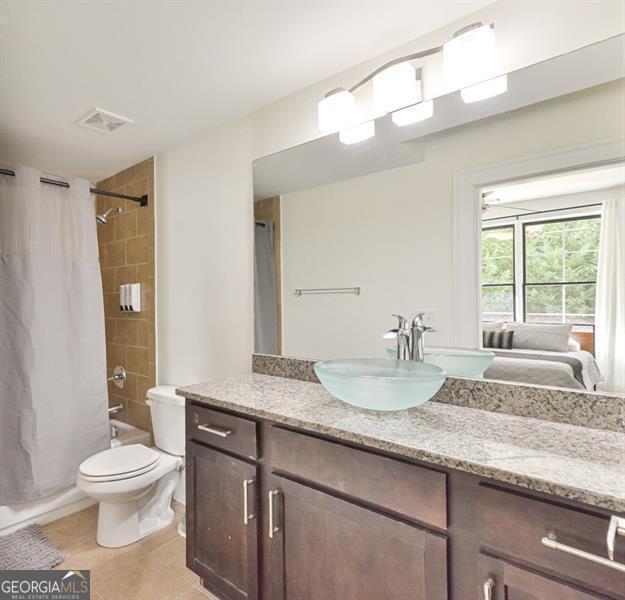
{"x": 142, "y": 200}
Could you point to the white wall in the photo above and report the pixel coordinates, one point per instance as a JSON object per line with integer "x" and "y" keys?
{"x": 391, "y": 232}
{"x": 204, "y": 193}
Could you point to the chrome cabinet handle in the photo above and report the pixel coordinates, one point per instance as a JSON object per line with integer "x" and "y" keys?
{"x": 247, "y": 515}
{"x": 272, "y": 528}
{"x": 488, "y": 589}
{"x": 552, "y": 542}
{"x": 616, "y": 527}
{"x": 224, "y": 433}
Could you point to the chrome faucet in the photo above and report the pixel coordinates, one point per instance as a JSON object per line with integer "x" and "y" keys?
{"x": 409, "y": 341}
{"x": 402, "y": 335}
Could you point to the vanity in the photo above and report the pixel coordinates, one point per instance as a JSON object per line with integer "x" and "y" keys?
{"x": 490, "y": 468}
{"x": 292, "y": 494}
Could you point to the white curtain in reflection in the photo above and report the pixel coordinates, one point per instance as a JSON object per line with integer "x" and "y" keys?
{"x": 610, "y": 304}
{"x": 265, "y": 305}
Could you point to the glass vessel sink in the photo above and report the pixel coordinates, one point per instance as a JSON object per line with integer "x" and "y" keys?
{"x": 380, "y": 384}
{"x": 458, "y": 362}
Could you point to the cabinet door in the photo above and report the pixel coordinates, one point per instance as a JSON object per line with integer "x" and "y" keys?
{"x": 500, "y": 580}
{"x": 222, "y": 537}
{"x": 324, "y": 548}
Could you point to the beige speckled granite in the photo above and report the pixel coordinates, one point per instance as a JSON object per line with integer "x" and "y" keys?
{"x": 574, "y": 407}
{"x": 586, "y": 465}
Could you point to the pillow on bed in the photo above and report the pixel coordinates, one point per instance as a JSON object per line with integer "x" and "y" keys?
{"x": 501, "y": 338}
{"x": 554, "y": 338}
{"x": 574, "y": 346}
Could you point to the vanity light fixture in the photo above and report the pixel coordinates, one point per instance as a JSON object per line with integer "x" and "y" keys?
{"x": 357, "y": 133}
{"x": 469, "y": 62}
{"x": 470, "y": 56}
{"x": 336, "y": 110}
{"x": 396, "y": 87}
{"x": 485, "y": 89}
{"x": 413, "y": 114}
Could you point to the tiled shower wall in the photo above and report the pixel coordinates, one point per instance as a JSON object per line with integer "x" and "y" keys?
{"x": 127, "y": 256}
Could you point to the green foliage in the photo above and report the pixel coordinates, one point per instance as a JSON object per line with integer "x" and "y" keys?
{"x": 555, "y": 252}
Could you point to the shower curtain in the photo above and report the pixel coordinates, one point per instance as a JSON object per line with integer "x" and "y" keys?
{"x": 265, "y": 308}
{"x": 610, "y": 304}
{"x": 53, "y": 395}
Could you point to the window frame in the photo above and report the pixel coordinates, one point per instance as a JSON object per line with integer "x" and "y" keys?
{"x": 524, "y": 282}
{"x": 514, "y": 273}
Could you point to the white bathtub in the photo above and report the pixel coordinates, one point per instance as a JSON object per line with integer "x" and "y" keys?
{"x": 67, "y": 501}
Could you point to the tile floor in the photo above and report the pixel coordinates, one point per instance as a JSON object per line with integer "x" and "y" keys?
{"x": 151, "y": 569}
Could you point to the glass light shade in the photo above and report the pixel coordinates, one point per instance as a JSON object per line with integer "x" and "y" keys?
{"x": 358, "y": 133}
{"x": 486, "y": 89}
{"x": 336, "y": 111}
{"x": 413, "y": 114}
{"x": 395, "y": 88}
{"x": 470, "y": 57}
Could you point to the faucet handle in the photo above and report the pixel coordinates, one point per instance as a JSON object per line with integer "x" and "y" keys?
{"x": 402, "y": 321}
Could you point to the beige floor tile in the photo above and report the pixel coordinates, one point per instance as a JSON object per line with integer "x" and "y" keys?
{"x": 73, "y": 529}
{"x": 174, "y": 554}
{"x": 149, "y": 579}
{"x": 102, "y": 562}
{"x": 197, "y": 593}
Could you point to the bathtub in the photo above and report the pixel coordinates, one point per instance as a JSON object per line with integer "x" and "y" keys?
{"x": 67, "y": 501}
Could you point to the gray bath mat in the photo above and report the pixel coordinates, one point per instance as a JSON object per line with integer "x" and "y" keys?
{"x": 28, "y": 548}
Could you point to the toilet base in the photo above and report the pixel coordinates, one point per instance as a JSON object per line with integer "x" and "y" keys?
{"x": 124, "y": 522}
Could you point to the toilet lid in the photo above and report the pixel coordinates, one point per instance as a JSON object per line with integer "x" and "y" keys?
{"x": 123, "y": 460}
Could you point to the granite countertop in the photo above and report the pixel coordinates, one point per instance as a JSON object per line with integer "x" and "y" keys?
{"x": 578, "y": 463}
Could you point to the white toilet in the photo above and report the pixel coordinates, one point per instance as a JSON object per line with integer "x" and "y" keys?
{"x": 135, "y": 484}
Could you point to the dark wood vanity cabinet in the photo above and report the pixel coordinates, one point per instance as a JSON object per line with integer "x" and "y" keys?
{"x": 280, "y": 514}
{"x": 325, "y": 547}
{"x": 222, "y": 523}
{"x": 500, "y": 580}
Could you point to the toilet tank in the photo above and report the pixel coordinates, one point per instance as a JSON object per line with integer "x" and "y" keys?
{"x": 167, "y": 412}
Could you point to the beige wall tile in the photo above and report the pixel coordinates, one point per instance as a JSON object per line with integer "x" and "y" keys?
{"x": 137, "y": 250}
{"x": 137, "y": 360}
{"x": 126, "y": 332}
{"x": 127, "y": 256}
{"x": 126, "y": 275}
{"x": 108, "y": 279}
{"x": 144, "y": 330}
{"x": 102, "y": 255}
{"x": 126, "y": 225}
{"x": 116, "y": 253}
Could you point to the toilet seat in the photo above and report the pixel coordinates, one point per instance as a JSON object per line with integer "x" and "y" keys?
{"x": 123, "y": 462}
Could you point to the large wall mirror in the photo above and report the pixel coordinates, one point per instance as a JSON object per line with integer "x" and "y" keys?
{"x": 503, "y": 221}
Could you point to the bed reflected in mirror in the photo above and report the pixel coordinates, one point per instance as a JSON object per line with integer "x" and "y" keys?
{"x": 550, "y": 291}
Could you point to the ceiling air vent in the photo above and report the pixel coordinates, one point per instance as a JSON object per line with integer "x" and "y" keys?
{"x": 103, "y": 120}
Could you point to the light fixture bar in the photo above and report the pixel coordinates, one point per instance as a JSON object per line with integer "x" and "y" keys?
{"x": 396, "y": 61}
{"x": 415, "y": 56}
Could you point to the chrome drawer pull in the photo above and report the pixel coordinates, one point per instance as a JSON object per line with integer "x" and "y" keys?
{"x": 224, "y": 433}
{"x": 272, "y": 528}
{"x": 552, "y": 542}
{"x": 247, "y": 515}
{"x": 488, "y": 589}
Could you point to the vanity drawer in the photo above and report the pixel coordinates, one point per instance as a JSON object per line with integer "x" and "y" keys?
{"x": 513, "y": 525}
{"x": 400, "y": 487}
{"x": 222, "y": 430}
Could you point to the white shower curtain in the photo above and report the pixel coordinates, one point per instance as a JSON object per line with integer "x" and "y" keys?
{"x": 53, "y": 395}
{"x": 610, "y": 303}
{"x": 265, "y": 306}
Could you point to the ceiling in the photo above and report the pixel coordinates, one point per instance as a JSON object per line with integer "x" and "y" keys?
{"x": 587, "y": 180}
{"x": 176, "y": 68}
{"x": 572, "y": 189}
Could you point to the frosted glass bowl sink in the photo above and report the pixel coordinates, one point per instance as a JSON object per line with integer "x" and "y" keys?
{"x": 458, "y": 362}
{"x": 380, "y": 384}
